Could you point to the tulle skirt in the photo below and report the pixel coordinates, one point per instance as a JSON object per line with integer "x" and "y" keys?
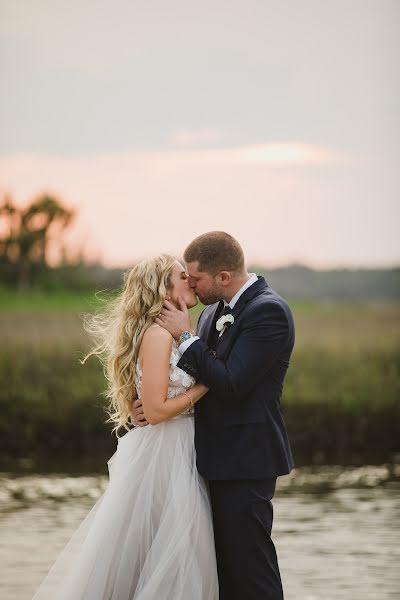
{"x": 149, "y": 537}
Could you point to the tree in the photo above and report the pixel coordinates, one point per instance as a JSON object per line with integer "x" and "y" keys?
{"x": 25, "y": 234}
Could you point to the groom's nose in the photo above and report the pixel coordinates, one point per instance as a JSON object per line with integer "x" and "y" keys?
{"x": 192, "y": 282}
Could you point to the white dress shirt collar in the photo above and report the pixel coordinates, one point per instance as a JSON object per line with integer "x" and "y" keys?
{"x": 252, "y": 279}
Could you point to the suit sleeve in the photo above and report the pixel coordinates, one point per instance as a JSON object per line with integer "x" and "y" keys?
{"x": 263, "y": 336}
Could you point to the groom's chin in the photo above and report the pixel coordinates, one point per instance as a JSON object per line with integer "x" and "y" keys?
{"x": 208, "y": 300}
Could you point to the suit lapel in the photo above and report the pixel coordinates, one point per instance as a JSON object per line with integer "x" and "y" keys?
{"x": 208, "y": 320}
{"x": 254, "y": 290}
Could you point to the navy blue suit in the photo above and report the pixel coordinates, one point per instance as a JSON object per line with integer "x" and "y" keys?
{"x": 240, "y": 437}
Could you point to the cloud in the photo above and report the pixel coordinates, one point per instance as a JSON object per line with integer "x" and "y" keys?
{"x": 316, "y": 207}
{"x": 273, "y": 154}
{"x": 287, "y": 153}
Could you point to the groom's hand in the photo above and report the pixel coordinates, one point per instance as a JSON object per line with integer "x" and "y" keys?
{"x": 137, "y": 415}
{"x": 175, "y": 320}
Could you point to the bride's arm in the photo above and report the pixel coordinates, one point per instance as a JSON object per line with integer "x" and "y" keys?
{"x": 155, "y": 355}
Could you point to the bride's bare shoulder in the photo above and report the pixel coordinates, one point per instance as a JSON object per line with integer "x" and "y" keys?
{"x": 157, "y": 334}
{"x": 156, "y": 346}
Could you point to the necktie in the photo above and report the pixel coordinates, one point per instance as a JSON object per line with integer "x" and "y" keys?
{"x": 213, "y": 336}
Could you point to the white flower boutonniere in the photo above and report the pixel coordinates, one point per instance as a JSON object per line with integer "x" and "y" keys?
{"x": 223, "y": 323}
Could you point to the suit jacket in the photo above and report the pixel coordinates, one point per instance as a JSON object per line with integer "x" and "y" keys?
{"x": 239, "y": 429}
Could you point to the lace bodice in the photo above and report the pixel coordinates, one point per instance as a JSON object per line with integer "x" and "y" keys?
{"x": 179, "y": 381}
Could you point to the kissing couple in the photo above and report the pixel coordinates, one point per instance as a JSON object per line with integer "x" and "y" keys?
{"x": 187, "y": 512}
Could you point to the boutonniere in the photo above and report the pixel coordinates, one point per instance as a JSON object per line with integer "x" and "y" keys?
{"x": 223, "y": 323}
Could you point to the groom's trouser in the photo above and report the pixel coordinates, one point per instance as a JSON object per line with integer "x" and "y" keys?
{"x": 246, "y": 557}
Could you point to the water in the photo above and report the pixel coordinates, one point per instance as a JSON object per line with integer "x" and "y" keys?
{"x": 336, "y": 531}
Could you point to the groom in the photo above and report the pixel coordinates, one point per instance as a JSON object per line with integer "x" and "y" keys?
{"x": 244, "y": 340}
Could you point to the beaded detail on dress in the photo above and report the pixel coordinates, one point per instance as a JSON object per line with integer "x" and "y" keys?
{"x": 179, "y": 381}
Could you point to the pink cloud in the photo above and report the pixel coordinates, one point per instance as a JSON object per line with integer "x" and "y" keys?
{"x": 135, "y": 204}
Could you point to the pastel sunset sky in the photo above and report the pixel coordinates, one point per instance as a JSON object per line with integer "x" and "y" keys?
{"x": 275, "y": 120}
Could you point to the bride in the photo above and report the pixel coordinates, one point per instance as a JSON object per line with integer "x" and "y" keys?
{"x": 149, "y": 537}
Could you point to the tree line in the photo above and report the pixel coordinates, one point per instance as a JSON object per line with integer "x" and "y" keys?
{"x": 29, "y": 234}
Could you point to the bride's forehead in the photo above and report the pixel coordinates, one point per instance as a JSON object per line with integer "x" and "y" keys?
{"x": 178, "y": 267}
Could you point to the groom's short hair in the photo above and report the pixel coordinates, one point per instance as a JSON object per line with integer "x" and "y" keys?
{"x": 216, "y": 251}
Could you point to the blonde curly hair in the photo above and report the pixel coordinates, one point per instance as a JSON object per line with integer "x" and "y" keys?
{"x": 119, "y": 327}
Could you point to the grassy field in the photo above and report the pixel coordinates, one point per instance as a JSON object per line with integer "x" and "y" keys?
{"x": 40, "y": 301}
{"x": 341, "y": 396}
{"x": 50, "y": 316}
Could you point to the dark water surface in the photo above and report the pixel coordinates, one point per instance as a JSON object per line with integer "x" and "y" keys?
{"x": 337, "y": 531}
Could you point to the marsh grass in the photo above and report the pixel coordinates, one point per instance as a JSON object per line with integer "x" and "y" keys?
{"x": 340, "y": 402}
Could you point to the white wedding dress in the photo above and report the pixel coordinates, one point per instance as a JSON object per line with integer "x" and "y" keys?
{"x": 149, "y": 537}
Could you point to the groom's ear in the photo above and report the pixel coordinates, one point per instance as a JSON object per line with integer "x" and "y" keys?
{"x": 225, "y": 277}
